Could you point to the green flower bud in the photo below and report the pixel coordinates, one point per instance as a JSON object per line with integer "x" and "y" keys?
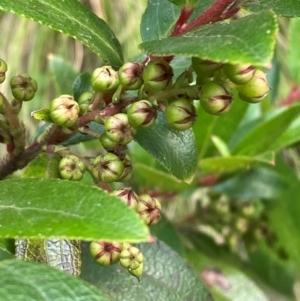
{"x": 118, "y": 129}
{"x": 256, "y": 89}
{"x": 105, "y": 79}
{"x": 157, "y": 75}
{"x": 16, "y": 105}
{"x": 205, "y": 68}
{"x": 107, "y": 143}
{"x": 105, "y": 253}
{"x": 149, "y": 209}
{"x": 241, "y": 225}
{"x": 71, "y": 168}
{"x": 248, "y": 210}
{"x": 137, "y": 273}
{"x": 131, "y": 258}
{"x": 64, "y": 110}
{"x": 23, "y": 87}
{"x": 239, "y": 74}
{"x": 180, "y": 114}
{"x": 128, "y": 196}
{"x": 215, "y": 98}
{"x": 130, "y": 75}
{"x": 2, "y": 104}
{"x": 127, "y": 169}
{"x": 3, "y": 69}
{"x": 84, "y": 101}
{"x": 108, "y": 168}
{"x": 141, "y": 114}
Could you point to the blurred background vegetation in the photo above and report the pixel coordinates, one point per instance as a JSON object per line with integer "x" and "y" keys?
{"x": 29, "y": 47}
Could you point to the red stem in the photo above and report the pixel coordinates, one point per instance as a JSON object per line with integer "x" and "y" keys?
{"x": 184, "y": 15}
{"x": 293, "y": 96}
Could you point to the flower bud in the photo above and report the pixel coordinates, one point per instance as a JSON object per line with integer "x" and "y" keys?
{"x": 141, "y": 114}
{"x": 149, "y": 209}
{"x": 108, "y": 168}
{"x": 180, "y": 114}
{"x": 128, "y": 196}
{"x": 64, "y": 110}
{"x": 205, "y": 68}
{"x": 71, "y": 168}
{"x": 3, "y": 69}
{"x": 23, "y": 87}
{"x": 2, "y": 104}
{"x": 131, "y": 258}
{"x": 105, "y": 79}
{"x": 256, "y": 89}
{"x": 239, "y": 74}
{"x": 215, "y": 98}
{"x": 157, "y": 75}
{"x": 84, "y": 101}
{"x": 105, "y": 253}
{"x": 118, "y": 129}
{"x": 130, "y": 75}
{"x": 107, "y": 143}
{"x": 137, "y": 273}
{"x": 127, "y": 173}
{"x": 241, "y": 225}
{"x": 16, "y": 105}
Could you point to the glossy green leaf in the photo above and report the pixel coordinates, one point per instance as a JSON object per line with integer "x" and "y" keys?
{"x": 238, "y": 41}
{"x": 21, "y": 280}
{"x": 294, "y": 50}
{"x": 42, "y": 114}
{"x": 185, "y": 3}
{"x": 223, "y": 126}
{"x": 73, "y": 19}
{"x": 288, "y": 8}
{"x": 233, "y": 284}
{"x": 81, "y": 84}
{"x": 261, "y": 138}
{"x": 167, "y": 233}
{"x": 174, "y": 150}
{"x": 158, "y": 20}
{"x": 222, "y": 165}
{"x": 63, "y": 74}
{"x": 255, "y": 183}
{"x": 39, "y": 208}
{"x": 165, "y": 277}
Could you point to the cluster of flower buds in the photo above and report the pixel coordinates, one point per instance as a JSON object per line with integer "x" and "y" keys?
{"x": 109, "y": 253}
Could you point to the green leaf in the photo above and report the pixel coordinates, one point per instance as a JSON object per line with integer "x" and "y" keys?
{"x": 73, "y": 19}
{"x": 166, "y": 232}
{"x": 288, "y": 8}
{"x": 255, "y": 183}
{"x": 81, "y": 84}
{"x": 63, "y": 74}
{"x": 6, "y": 249}
{"x": 185, "y": 3}
{"x": 222, "y": 165}
{"x": 158, "y": 20}
{"x": 238, "y": 41}
{"x": 233, "y": 284}
{"x": 21, "y": 280}
{"x": 42, "y": 114}
{"x": 174, "y": 150}
{"x": 39, "y": 208}
{"x": 165, "y": 277}
{"x": 293, "y": 49}
{"x": 261, "y": 138}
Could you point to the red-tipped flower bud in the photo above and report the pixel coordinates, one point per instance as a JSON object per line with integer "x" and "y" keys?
{"x": 105, "y": 79}
{"x": 256, "y": 89}
{"x": 205, "y": 68}
{"x": 71, "y": 168}
{"x": 239, "y": 74}
{"x": 141, "y": 114}
{"x": 127, "y": 173}
{"x": 108, "y": 168}
{"x": 130, "y": 75}
{"x": 107, "y": 143}
{"x": 149, "y": 209}
{"x": 157, "y": 75}
{"x": 180, "y": 114}
{"x": 131, "y": 258}
{"x": 128, "y": 196}
{"x": 118, "y": 129}
{"x": 106, "y": 253}
{"x": 23, "y": 87}
{"x": 64, "y": 110}
{"x": 215, "y": 98}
